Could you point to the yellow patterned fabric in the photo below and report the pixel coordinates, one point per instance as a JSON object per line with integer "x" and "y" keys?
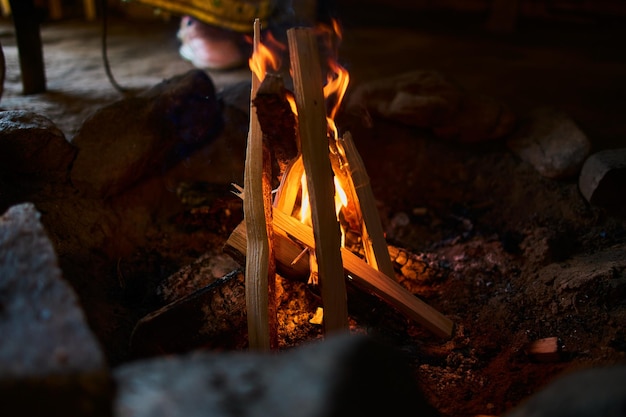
{"x": 237, "y": 15}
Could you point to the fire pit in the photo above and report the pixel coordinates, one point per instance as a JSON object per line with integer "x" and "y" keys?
{"x": 528, "y": 271}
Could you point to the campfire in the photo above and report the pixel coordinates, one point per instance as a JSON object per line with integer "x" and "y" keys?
{"x": 323, "y": 207}
{"x": 525, "y": 274}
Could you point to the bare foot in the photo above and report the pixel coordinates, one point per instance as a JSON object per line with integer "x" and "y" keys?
{"x": 210, "y": 47}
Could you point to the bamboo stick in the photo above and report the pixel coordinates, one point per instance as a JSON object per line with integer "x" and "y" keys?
{"x": 374, "y": 244}
{"x": 308, "y": 90}
{"x": 260, "y": 264}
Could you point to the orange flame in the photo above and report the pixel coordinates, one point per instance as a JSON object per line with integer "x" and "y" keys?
{"x": 305, "y": 206}
{"x": 338, "y": 78}
{"x": 341, "y": 199}
{"x": 265, "y": 55}
{"x": 292, "y": 103}
{"x": 337, "y": 84}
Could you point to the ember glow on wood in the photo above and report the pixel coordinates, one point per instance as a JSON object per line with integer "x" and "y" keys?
{"x": 373, "y": 281}
{"x": 323, "y": 192}
{"x": 308, "y": 90}
{"x": 260, "y": 265}
{"x": 291, "y": 234}
{"x": 374, "y": 244}
{"x": 545, "y": 350}
{"x": 290, "y": 261}
{"x": 287, "y": 195}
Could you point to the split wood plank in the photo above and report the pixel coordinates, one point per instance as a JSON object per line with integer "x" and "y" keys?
{"x": 374, "y": 281}
{"x": 260, "y": 272}
{"x": 308, "y": 90}
{"x": 288, "y": 254}
{"x": 374, "y": 244}
{"x": 288, "y": 230}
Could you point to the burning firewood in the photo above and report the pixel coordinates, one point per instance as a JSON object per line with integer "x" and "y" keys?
{"x": 360, "y": 273}
{"x": 260, "y": 264}
{"x": 306, "y": 68}
{"x": 289, "y": 262}
{"x": 277, "y": 120}
{"x": 311, "y": 188}
{"x": 416, "y": 269}
{"x": 376, "y": 251}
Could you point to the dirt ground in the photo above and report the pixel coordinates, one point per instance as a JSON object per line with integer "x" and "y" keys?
{"x": 515, "y": 257}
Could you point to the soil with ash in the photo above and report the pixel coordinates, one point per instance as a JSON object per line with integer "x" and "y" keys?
{"x": 489, "y": 226}
{"x": 500, "y": 235}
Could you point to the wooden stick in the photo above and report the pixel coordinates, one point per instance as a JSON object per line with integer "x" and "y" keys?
{"x": 545, "y": 350}
{"x": 288, "y": 254}
{"x": 260, "y": 265}
{"x": 308, "y": 90}
{"x": 351, "y": 212}
{"x": 374, "y": 281}
{"x": 361, "y": 273}
{"x": 374, "y": 244}
{"x": 277, "y": 121}
{"x": 287, "y": 194}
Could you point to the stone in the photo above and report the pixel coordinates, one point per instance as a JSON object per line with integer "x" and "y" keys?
{"x": 418, "y": 98}
{"x": 33, "y": 147}
{"x": 344, "y": 375}
{"x": 602, "y": 179}
{"x": 593, "y": 275}
{"x": 592, "y": 392}
{"x": 145, "y": 135}
{"x": 50, "y": 362}
{"x": 479, "y": 119}
{"x": 428, "y": 99}
{"x": 2, "y": 71}
{"x": 551, "y": 142}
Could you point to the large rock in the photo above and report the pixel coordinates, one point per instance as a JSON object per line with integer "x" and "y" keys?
{"x": 479, "y": 119}
{"x": 551, "y": 142}
{"x": 50, "y": 362}
{"x": 418, "y": 98}
{"x": 32, "y": 147}
{"x": 594, "y": 392}
{"x": 602, "y": 178}
{"x": 594, "y": 275}
{"x": 430, "y": 100}
{"x": 145, "y": 135}
{"x": 342, "y": 376}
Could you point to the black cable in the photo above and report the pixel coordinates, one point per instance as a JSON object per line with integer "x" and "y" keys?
{"x": 105, "y": 58}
